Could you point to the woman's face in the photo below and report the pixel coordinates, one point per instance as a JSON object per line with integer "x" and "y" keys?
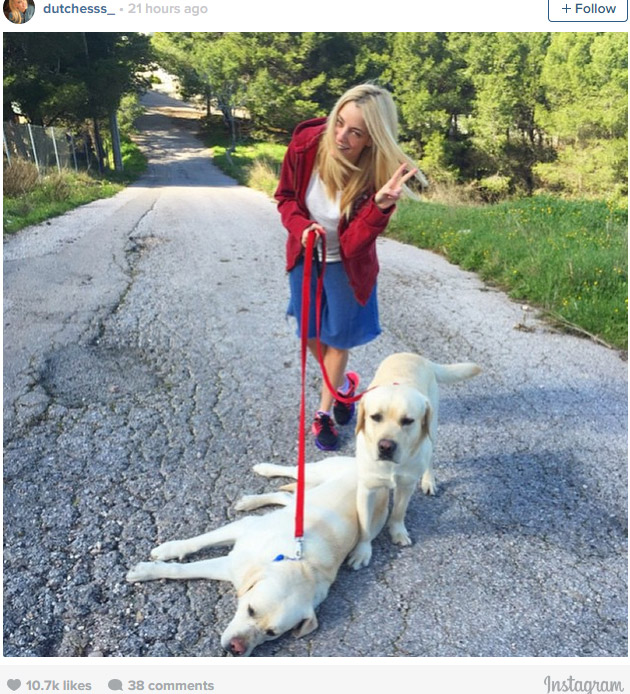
{"x": 21, "y": 5}
{"x": 351, "y": 134}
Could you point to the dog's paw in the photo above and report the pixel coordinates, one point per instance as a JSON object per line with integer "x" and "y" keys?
{"x": 428, "y": 484}
{"x": 265, "y": 469}
{"x": 399, "y": 535}
{"x": 175, "y": 549}
{"x": 246, "y": 502}
{"x": 144, "y": 571}
{"x": 360, "y": 555}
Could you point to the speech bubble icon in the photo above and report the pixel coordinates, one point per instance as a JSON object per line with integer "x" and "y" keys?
{"x": 115, "y": 685}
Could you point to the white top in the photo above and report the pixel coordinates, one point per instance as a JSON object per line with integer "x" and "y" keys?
{"x": 327, "y": 213}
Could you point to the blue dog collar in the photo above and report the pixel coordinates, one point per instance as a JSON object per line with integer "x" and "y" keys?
{"x": 298, "y": 552}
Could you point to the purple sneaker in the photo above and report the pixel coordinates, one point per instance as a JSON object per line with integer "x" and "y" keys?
{"x": 326, "y": 436}
{"x": 343, "y": 413}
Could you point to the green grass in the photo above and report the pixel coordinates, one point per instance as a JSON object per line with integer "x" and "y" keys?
{"x": 134, "y": 162}
{"x": 255, "y": 165}
{"x": 53, "y": 196}
{"x": 57, "y": 193}
{"x": 566, "y": 257}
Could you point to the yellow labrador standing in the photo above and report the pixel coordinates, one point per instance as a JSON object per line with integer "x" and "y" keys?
{"x": 396, "y": 432}
{"x": 275, "y": 593}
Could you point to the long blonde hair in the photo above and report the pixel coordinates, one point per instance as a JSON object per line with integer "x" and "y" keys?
{"x": 15, "y": 15}
{"x": 377, "y": 162}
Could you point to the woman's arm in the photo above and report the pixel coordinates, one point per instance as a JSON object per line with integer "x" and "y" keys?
{"x": 293, "y": 214}
{"x": 373, "y": 216}
{"x": 364, "y": 228}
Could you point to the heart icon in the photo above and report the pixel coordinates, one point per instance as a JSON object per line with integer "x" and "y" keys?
{"x": 14, "y": 684}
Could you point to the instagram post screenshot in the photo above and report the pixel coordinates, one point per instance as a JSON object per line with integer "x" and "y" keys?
{"x": 216, "y": 480}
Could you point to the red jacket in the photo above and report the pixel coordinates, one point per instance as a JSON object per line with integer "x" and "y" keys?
{"x": 357, "y": 238}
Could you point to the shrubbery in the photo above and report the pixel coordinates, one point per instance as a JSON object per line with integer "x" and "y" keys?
{"x": 18, "y": 178}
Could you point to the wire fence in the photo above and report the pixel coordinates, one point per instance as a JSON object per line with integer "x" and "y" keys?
{"x": 47, "y": 148}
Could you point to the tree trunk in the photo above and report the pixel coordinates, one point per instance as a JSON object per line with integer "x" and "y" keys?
{"x": 98, "y": 145}
{"x": 113, "y": 125}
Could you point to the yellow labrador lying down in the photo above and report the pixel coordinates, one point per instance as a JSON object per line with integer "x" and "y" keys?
{"x": 396, "y": 432}
{"x": 275, "y": 594}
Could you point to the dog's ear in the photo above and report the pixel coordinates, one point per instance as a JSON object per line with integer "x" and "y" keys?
{"x": 360, "y": 418}
{"x": 307, "y": 625}
{"x": 428, "y": 425}
{"x": 250, "y": 579}
{"x": 426, "y": 429}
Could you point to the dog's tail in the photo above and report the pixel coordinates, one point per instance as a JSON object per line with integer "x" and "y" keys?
{"x": 452, "y": 373}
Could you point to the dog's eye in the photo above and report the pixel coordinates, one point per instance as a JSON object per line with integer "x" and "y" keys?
{"x": 378, "y": 417}
{"x": 406, "y": 421}
{"x": 251, "y": 611}
{"x": 270, "y": 632}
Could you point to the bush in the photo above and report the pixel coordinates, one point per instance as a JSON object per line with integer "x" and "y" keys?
{"x": 19, "y": 178}
{"x": 256, "y": 165}
{"x": 56, "y": 187}
{"x": 434, "y": 162}
{"x": 130, "y": 109}
{"x": 53, "y": 195}
{"x": 263, "y": 175}
{"x": 494, "y": 188}
{"x": 596, "y": 171}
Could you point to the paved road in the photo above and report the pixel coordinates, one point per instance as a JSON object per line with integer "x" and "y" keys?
{"x": 148, "y": 365}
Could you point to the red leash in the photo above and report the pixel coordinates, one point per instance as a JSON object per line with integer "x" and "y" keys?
{"x": 306, "y": 294}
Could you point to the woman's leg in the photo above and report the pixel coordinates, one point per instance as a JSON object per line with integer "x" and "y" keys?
{"x": 335, "y": 362}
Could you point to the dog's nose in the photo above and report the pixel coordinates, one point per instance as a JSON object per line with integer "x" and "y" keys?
{"x": 237, "y": 646}
{"x": 386, "y": 449}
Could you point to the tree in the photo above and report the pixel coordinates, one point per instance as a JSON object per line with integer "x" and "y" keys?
{"x": 215, "y": 66}
{"x": 173, "y": 51}
{"x": 426, "y": 72}
{"x": 111, "y": 69}
{"x": 301, "y": 75}
{"x": 287, "y": 85}
{"x": 68, "y": 78}
{"x": 585, "y": 112}
{"x": 505, "y": 69}
{"x": 40, "y": 78}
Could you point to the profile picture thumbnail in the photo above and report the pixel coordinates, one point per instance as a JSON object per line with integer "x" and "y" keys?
{"x": 19, "y": 11}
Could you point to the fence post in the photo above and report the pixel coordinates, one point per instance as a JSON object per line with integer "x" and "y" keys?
{"x": 6, "y": 146}
{"x": 30, "y": 132}
{"x": 74, "y": 154}
{"x": 52, "y": 132}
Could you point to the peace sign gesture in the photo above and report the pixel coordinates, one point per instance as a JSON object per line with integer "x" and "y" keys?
{"x": 389, "y": 194}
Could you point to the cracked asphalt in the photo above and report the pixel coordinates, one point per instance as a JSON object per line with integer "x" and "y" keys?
{"x": 148, "y": 365}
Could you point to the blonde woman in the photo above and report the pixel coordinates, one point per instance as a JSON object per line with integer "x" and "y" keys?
{"x": 19, "y": 11}
{"x": 341, "y": 178}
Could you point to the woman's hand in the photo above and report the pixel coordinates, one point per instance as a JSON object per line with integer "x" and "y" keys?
{"x": 317, "y": 228}
{"x": 390, "y": 193}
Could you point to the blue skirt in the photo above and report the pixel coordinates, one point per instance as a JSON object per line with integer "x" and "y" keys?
{"x": 344, "y": 322}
